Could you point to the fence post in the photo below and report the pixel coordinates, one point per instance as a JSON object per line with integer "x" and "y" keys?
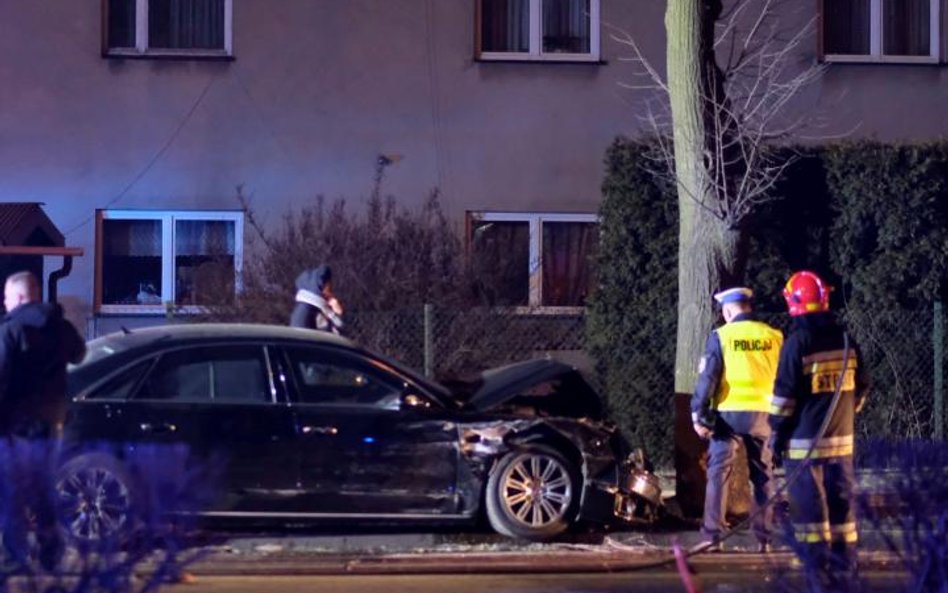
{"x": 428, "y": 348}
{"x": 938, "y": 343}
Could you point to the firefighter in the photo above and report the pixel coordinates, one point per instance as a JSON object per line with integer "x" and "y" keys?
{"x": 730, "y": 407}
{"x": 813, "y": 362}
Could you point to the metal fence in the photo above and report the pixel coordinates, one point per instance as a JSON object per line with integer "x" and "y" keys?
{"x": 443, "y": 342}
{"x": 904, "y": 352}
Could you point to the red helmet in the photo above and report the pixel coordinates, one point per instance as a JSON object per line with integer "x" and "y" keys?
{"x": 806, "y": 292}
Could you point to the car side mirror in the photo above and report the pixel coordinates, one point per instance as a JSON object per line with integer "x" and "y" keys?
{"x": 415, "y": 402}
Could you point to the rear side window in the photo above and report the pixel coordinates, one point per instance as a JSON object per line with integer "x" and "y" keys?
{"x": 234, "y": 374}
{"x": 121, "y": 386}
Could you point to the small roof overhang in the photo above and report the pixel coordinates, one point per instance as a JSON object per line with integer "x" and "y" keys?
{"x": 26, "y": 230}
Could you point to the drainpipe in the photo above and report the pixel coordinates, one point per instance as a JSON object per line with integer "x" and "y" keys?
{"x": 55, "y": 276}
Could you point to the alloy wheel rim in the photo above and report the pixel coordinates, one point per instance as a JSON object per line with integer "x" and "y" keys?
{"x": 93, "y": 504}
{"x": 537, "y": 491}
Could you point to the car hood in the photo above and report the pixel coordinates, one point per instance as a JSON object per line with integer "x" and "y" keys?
{"x": 498, "y": 386}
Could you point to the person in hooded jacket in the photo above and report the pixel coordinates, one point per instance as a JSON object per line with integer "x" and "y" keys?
{"x": 316, "y": 305}
{"x": 36, "y": 344}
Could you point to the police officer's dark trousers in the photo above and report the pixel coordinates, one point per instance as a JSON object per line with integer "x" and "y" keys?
{"x": 722, "y": 452}
{"x": 822, "y": 511}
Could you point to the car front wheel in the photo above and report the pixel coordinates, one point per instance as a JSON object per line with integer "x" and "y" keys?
{"x": 532, "y": 493}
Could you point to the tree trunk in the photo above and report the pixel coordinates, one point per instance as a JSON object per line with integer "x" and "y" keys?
{"x": 710, "y": 252}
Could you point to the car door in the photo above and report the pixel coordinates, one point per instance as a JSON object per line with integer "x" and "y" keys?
{"x": 218, "y": 400}
{"x": 362, "y": 451}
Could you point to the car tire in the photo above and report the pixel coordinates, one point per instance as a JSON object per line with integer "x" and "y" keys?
{"x": 95, "y": 501}
{"x": 532, "y": 493}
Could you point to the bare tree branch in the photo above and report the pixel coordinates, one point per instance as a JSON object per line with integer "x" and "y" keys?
{"x": 749, "y": 110}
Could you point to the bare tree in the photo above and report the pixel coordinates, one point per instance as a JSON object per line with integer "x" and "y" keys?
{"x": 719, "y": 119}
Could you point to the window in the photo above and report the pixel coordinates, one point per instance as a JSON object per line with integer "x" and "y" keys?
{"x": 529, "y": 259}
{"x": 324, "y": 377}
{"x": 564, "y": 30}
{"x": 880, "y": 30}
{"x": 121, "y": 385}
{"x": 168, "y": 27}
{"x": 227, "y": 374}
{"x": 145, "y": 259}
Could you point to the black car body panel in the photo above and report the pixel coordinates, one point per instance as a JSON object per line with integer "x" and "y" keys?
{"x": 306, "y": 425}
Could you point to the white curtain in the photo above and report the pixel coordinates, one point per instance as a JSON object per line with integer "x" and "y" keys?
{"x": 203, "y": 237}
{"x": 566, "y": 26}
{"x": 906, "y": 27}
{"x": 186, "y": 24}
{"x": 505, "y": 25}
{"x": 121, "y": 19}
{"x": 846, "y": 27}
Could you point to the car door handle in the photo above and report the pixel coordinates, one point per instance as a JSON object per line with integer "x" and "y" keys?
{"x": 164, "y": 427}
{"x": 330, "y": 430}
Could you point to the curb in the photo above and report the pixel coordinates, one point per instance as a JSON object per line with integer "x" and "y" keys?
{"x": 507, "y": 562}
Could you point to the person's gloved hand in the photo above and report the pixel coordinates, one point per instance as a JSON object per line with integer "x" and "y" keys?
{"x": 703, "y": 432}
{"x": 777, "y": 447}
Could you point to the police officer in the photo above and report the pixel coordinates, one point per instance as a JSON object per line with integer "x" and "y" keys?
{"x": 813, "y": 362}
{"x": 730, "y": 407}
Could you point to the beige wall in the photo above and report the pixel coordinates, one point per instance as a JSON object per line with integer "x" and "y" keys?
{"x": 319, "y": 88}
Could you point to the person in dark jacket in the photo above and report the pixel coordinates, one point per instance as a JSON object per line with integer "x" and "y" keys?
{"x": 36, "y": 344}
{"x": 730, "y": 407}
{"x": 813, "y": 364}
{"x": 316, "y": 305}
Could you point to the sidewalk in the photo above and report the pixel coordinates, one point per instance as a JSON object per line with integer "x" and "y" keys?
{"x": 485, "y": 553}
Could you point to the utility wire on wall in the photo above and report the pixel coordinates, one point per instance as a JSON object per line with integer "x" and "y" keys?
{"x": 151, "y": 163}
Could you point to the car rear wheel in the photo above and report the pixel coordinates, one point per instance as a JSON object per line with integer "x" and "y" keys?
{"x": 532, "y": 493}
{"x": 95, "y": 500}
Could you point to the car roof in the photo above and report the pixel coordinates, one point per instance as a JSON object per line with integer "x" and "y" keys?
{"x": 130, "y": 342}
{"x": 200, "y": 331}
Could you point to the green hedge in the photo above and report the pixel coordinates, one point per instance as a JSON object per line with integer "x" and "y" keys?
{"x": 631, "y": 317}
{"x": 890, "y": 241}
{"x": 871, "y": 218}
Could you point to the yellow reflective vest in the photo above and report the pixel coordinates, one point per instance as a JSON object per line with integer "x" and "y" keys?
{"x": 751, "y": 351}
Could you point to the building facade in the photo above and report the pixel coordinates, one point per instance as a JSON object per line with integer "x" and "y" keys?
{"x": 135, "y": 121}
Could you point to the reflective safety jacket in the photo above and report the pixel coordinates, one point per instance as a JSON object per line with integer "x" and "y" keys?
{"x": 811, "y": 364}
{"x": 736, "y": 372}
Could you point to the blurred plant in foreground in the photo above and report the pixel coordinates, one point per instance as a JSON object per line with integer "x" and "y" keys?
{"x": 98, "y": 518}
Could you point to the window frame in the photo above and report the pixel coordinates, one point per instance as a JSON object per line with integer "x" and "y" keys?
{"x": 155, "y": 359}
{"x": 167, "y": 219}
{"x": 535, "y": 221}
{"x": 876, "y": 25}
{"x": 142, "y": 50}
{"x": 349, "y": 360}
{"x": 535, "y": 53}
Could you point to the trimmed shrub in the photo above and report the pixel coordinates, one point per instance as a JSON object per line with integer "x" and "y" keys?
{"x": 632, "y": 315}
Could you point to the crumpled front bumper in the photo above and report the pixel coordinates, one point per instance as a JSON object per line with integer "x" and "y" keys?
{"x": 634, "y": 495}
{"x": 639, "y": 498}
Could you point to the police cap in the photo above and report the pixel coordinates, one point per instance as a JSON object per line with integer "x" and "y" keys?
{"x": 734, "y": 295}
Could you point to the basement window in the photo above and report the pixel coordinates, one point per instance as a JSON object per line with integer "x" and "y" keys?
{"x": 147, "y": 261}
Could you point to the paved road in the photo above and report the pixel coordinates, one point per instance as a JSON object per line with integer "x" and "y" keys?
{"x": 651, "y": 582}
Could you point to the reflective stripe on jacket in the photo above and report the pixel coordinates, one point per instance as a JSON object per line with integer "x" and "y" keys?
{"x": 751, "y": 351}
{"x": 811, "y": 367}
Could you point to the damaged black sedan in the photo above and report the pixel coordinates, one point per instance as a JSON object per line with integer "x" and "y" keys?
{"x": 306, "y": 426}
